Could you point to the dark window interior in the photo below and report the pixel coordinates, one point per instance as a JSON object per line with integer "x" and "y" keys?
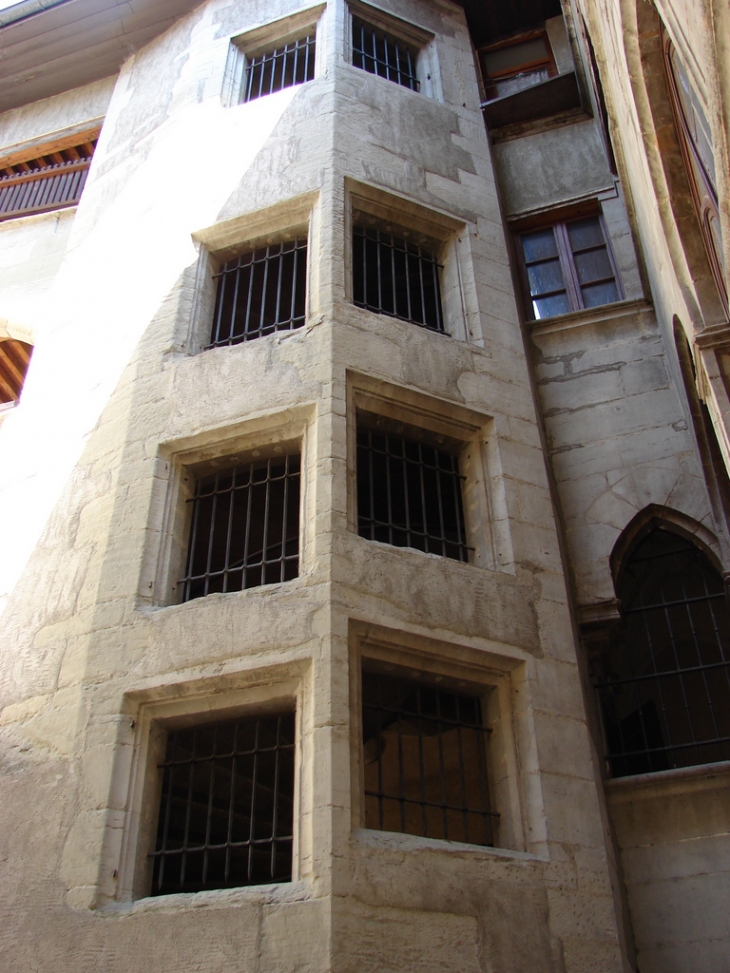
{"x": 379, "y": 53}
{"x": 49, "y": 181}
{"x": 409, "y": 494}
{"x": 425, "y": 757}
{"x": 281, "y": 67}
{"x": 260, "y": 292}
{"x": 244, "y": 528}
{"x": 665, "y": 687}
{"x": 568, "y": 266}
{"x": 395, "y": 277}
{"x": 226, "y": 810}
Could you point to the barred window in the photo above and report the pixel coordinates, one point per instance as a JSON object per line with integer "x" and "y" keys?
{"x": 664, "y": 688}
{"x": 226, "y": 807}
{"x": 244, "y": 528}
{"x": 568, "y": 266}
{"x": 425, "y": 760}
{"x": 395, "y": 277}
{"x": 379, "y": 53}
{"x": 52, "y": 180}
{"x": 14, "y": 361}
{"x": 260, "y": 292}
{"x": 280, "y": 67}
{"x": 409, "y": 494}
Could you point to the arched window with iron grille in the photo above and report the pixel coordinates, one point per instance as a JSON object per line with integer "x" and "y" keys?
{"x": 664, "y": 685}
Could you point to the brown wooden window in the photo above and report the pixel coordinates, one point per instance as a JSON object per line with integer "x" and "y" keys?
{"x": 698, "y": 153}
{"x": 567, "y": 266}
{"x": 425, "y": 751}
{"x": 512, "y": 65}
{"x": 52, "y": 179}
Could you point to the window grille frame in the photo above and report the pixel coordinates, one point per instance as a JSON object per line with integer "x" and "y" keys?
{"x": 368, "y": 425}
{"x": 288, "y": 55}
{"x": 572, "y": 286}
{"x": 451, "y": 803}
{"x": 230, "y": 274}
{"x": 402, "y": 50}
{"x": 421, "y": 286}
{"x": 162, "y": 855}
{"x": 642, "y": 642}
{"x": 291, "y": 457}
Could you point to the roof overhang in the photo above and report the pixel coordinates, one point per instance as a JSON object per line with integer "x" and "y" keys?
{"x": 49, "y": 46}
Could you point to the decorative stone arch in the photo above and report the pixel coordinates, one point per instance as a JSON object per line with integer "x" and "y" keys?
{"x": 645, "y": 57}
{"x": 661, "y": 672}
{"x": 16, "y": 348}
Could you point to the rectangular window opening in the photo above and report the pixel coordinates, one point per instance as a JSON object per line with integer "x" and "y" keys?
{"x": 409, "y": 493}
{"x": 226, "y": 814}
{"x": 244, "y": 528}
{"x": 519, "y": 63}
{"x": 279, "y": 67}
{"x": 260, "y": 292}
{"x": 395, "y": 277}
{"x": 381, "y": 53}
{"x": 568, "y": 266}
{"x": 425, "y": 755}
{"x": 51, "y": 180}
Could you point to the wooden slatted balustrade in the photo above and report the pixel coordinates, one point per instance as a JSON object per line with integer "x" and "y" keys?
{"x": 53, "y": 179}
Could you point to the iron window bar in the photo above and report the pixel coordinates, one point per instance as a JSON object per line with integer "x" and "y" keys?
{"x": 280, "y": 68}
{"x": 665, "y": 691}
{"x": 425, "y": 755}
{"x": 394, "y": 277}
{"x": 244, "y": 528}
{"x": 409, "y": 495}
{"x": 226, "y": 807}
{"x": 379, "y": 53}
{"x": 52, "y": 181}
{"x": 261, "y": 292}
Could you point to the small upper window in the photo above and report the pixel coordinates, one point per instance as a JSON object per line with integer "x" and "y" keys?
{"x": 51, "y": 180}
{"x": 244, "y": 528}
{"x": 260, "y": 292}
{"x": 396, "y": 277}
{"x": 425, "y": 755}
{"x": 381, "y": 53}
{"x": 409, "y": 493}
{"x": 511, "y": 66}
{"x": 279, "y": 67}
{"x": 226, "y": 806}
{"x": 568, "y": 266}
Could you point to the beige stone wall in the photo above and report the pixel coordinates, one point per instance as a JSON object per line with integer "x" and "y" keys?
{"x": 95, "y": 653}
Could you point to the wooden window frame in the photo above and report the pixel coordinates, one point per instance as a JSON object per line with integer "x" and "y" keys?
{"x": 702, "y": 188}
{"x": 528, "y": 67}
{"x": 559, "y": 224}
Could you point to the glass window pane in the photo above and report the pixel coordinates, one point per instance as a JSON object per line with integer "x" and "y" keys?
{"x": 539, "y": 246}
{"x": 547, "y": 307}
{"x": 597, "y": 294}
{"x": 585, "y": 233}
{"x": 593, "y": 265}
{"x": 515, "y": 56}
{"x": 545, "y": 277}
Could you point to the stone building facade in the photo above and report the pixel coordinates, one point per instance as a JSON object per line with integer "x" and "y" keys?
{"x": 363, "y": 462}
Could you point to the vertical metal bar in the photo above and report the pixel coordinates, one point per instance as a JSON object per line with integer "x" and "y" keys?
{"x": 231, "y": 806}
{"x": 459, "y": 509}
{"x": 408, "y": 281}
{"x": 371, "y": 479}
{"x": 482, "y": 739}
{"x": 252, "y": 822}
{"x": 381, "y": 802}
{"x": 249, "y": 296}
{"x": 229, "y": 531}
{"x": 406, "y": 496}
{"x": 442, "y": 775}
{"x": 440, "y": 501}
{"x": 263, "y": 291}
{"x": 392, "y": 279}
{"x": 412, "y": 81}
{"x": 401, "y": 795}
{"x": 424, "y": 509}
{"x": 284, "y": 521}
{"x": 170, "y": 771}
{"x": 234, "y": 305}
{"x": 437, "y": 295}
{"x": 379, "y": 273}
{"x": 265, "y": 539}
{"x": 421, "y": 768}
{"x": 193, "y": 543}
{"x": 213, "y": 510}
{"x": 462, "y": 771}
{"x": 211, "y": 786}
{"x": 388, "y": 488}
{"x": 275, "y": 810}
{"x": 364, "y": 270}
{"x": 188, "y": 810}
{"x": 421, "y": 285}
{"x": 247, "y": 534}
{"x": 280, "y": 271}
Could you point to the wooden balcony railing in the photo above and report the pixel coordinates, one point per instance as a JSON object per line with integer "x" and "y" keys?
{"x": 43, "y": 189}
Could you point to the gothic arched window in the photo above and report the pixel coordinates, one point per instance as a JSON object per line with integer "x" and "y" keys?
{"x": 664, "y": 685}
